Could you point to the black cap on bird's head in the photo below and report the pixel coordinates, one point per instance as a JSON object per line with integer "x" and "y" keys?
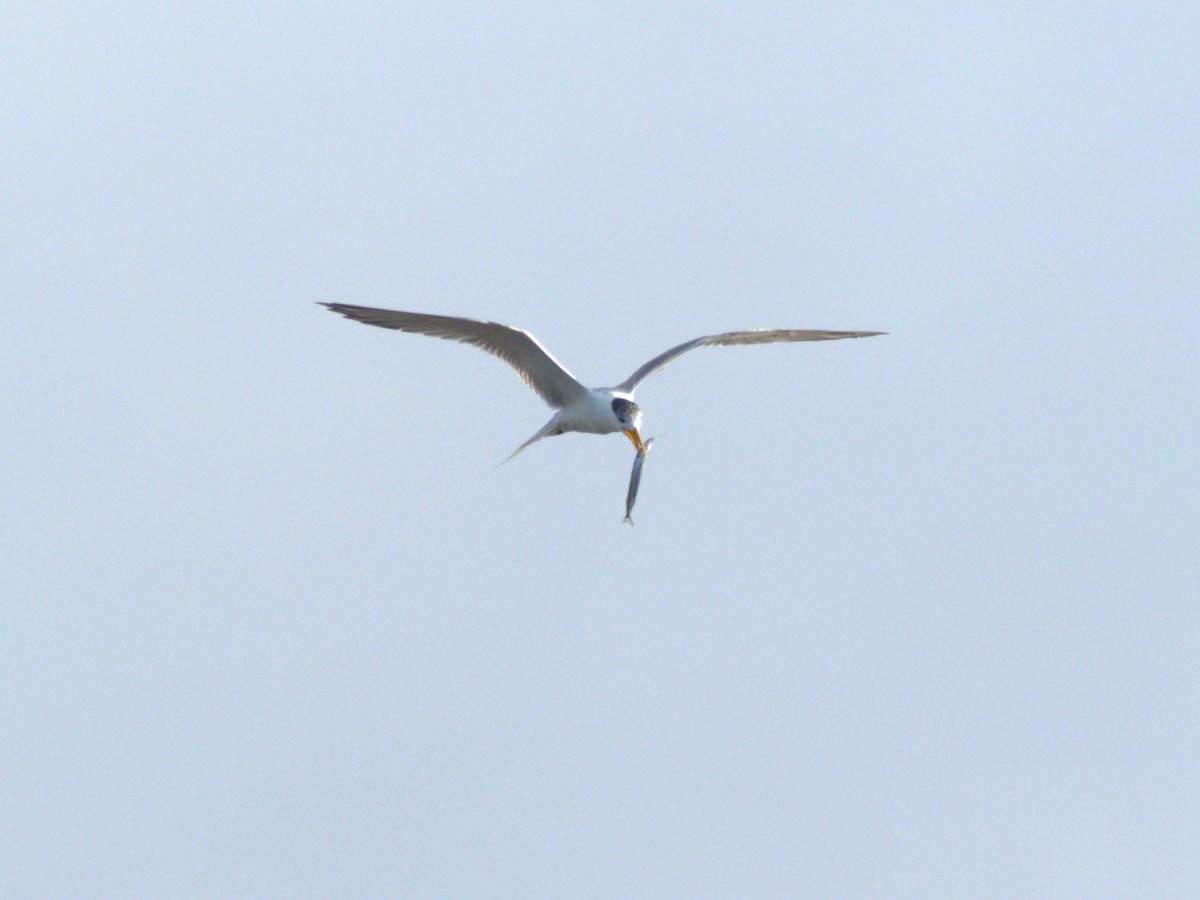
{"x": 630, "y": 416}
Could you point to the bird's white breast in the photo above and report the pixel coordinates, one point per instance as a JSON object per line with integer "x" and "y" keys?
{"x": 592, "y": 414}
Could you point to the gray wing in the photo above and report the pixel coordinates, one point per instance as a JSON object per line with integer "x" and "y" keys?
{"x": 518, "y": 348}
{"x": 733, "y": 338}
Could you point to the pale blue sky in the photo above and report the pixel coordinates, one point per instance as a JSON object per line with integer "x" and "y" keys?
{"x": 913, "y": 616}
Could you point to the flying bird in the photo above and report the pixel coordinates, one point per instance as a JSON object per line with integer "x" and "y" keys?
{"x": 605, "y": 410}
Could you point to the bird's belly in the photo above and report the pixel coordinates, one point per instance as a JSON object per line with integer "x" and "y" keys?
{"x": 593, "y": 417}
{"x": 588, "y": 425}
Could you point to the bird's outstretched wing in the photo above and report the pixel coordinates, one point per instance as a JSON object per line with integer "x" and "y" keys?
{"x": 732, "y": 338}
{"x": 518, "y": 348}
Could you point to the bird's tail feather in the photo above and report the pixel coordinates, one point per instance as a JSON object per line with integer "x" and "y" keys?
{"x": 547, "y": 430}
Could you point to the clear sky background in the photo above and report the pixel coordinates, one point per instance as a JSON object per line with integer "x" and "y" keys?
{"x": 910, "y": 616}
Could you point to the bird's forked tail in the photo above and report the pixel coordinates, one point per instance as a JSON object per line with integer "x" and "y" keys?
{"x": 548, "y": 430}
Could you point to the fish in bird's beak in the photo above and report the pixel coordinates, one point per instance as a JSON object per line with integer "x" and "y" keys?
{"x": 636, "y": 439}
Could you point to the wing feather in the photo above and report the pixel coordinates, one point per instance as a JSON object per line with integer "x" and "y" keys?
{"x": 736, "y": 338}
{"x": 520, "y": 349}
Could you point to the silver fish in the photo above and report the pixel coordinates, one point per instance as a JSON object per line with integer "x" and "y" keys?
{"x": 635, "y": 478}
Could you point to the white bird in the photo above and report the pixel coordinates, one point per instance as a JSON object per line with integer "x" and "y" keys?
{"x": 590, "y": 410}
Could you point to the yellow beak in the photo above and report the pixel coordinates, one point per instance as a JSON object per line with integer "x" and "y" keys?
{"x": 636, "y": 439}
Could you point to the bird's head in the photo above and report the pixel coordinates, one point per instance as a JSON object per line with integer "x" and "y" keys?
{"x": 629, "y": 417}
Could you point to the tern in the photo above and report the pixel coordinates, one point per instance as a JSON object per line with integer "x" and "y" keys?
{"x": 606, "y": 410}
